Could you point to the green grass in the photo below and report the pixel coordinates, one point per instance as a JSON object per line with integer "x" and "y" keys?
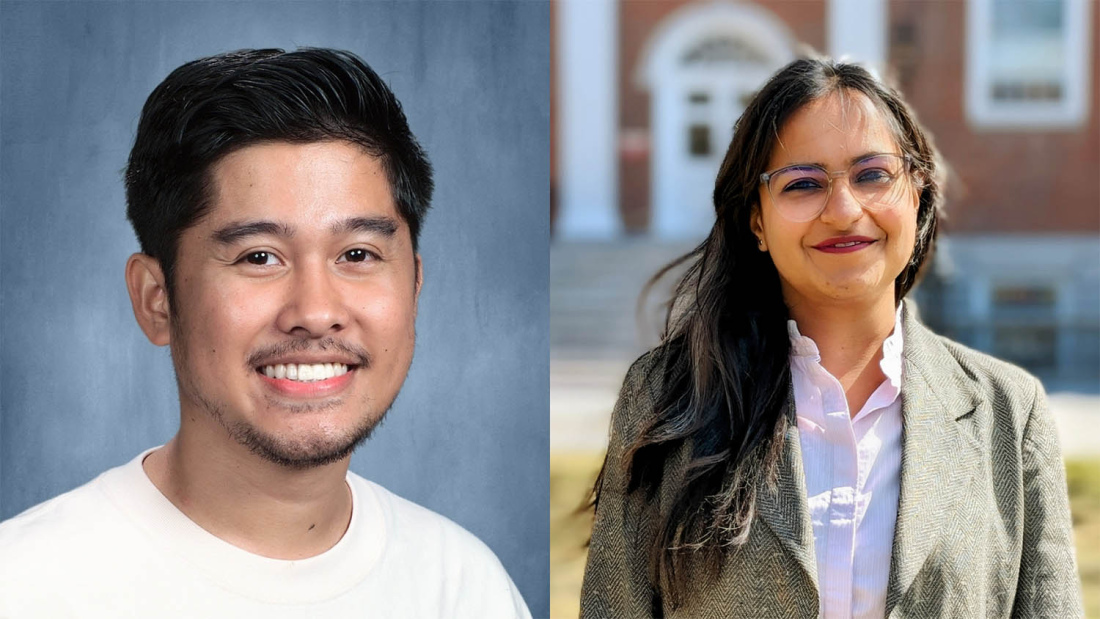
{"x": 571, "y": 475}
{"x": 1083, "y": 478}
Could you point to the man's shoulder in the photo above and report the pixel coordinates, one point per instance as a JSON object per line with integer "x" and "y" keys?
{"x": 60, "y": 540}
{"x": 410, "y": 523}
{"x": 424, "y": 546}
{"x": 56, "y": 521}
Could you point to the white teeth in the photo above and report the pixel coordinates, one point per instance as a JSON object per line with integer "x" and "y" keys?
{"x": 848, "y": 244}
{"x": 305, "y": 372}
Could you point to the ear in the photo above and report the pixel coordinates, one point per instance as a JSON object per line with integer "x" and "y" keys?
{"x": 756, "y": 224}
{"x": 419, "y": 282}
{"x": 149, "y": 298}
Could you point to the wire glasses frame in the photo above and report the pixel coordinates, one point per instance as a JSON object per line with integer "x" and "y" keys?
{"x": 800, "y": 192}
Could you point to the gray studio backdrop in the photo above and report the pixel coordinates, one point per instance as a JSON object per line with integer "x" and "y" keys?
{"x": 82, "y": 390}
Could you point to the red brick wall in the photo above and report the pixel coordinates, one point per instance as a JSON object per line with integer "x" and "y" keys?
{"x": 1004, "y": 181}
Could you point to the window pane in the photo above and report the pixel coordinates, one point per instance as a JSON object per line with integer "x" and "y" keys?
{"x": 1016, "y": 16}
{"x": 718, "y": 50}
{"x": 1034, "y": 348}
{"x": 699, "y": 98}
{"x": 1024, "y": 297}
{"x": 699, "y": 140}
{"x": 1027, "y": 62}
{"x": 1026, "y": 326}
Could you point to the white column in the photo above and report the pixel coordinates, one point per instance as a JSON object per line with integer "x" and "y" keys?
{"x": 588, "y": 170}
{"x": 666, "y": 161}
{"x": 857, "y": 30}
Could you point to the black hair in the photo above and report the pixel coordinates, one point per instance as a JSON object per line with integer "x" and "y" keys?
{"x": 724, "y": 383}
{"x": 213, "y": 106}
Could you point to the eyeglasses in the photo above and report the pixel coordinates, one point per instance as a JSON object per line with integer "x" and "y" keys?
{"x": 800, "y": 192}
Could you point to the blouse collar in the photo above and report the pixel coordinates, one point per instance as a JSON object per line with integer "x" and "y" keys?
{"x": 804, "y": 347}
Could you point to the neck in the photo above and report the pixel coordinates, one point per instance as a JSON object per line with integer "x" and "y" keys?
{"x": 849, "y": 337}
{"x": 258, "y": 506}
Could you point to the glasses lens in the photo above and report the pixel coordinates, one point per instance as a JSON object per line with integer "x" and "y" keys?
{"x": 877, "y": 181}
{"x": 799, "y": 191}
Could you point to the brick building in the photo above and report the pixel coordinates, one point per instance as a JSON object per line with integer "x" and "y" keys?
{"x": 646, "y": 94}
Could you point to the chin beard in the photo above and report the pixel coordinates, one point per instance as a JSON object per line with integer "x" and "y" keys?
{"x": 295, "y": 453}
{"x": 301, "y": 454}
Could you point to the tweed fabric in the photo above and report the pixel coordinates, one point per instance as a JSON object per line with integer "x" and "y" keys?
{"x": 983, "y": 526}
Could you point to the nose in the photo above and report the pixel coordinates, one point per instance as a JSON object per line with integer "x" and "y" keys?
{"x": 841, "y": 207}
{"x": 314, "y": 306}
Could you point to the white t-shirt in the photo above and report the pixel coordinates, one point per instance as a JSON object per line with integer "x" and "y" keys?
{"x": 116, "y": 547}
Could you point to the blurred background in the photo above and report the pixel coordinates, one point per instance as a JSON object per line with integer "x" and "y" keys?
{"x": 645, "y": 95}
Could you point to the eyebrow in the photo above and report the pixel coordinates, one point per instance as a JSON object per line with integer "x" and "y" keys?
{"x": 851, "y": 161}
{"x": 385, "y": 226}
{"x": 236, "y": 231}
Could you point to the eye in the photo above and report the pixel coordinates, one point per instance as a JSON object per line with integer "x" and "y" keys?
{"x": 802, "y": 184}
{"x": 799, "y": 179}
{"x": 874, "y": 175}
{"x": 260, "y": 258}
{"x": 357, "y": 255}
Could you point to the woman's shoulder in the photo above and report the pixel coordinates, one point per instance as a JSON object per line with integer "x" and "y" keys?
{"x": 988, "y": 369}
{"x": 646, "y": 370}
{"x": 941, "y": 357}
{"x": 650, "y": 373}
{"x": 957, "y": 371}
{"x": 643, "y": 387}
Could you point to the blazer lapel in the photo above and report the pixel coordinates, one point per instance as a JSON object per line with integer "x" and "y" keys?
{"x": 937, "y": 453}
{"x": 784, "y": 507}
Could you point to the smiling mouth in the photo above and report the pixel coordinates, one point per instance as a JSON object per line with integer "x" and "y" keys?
{"x": 306, "y": 372}
{"x": 843, "y": 247}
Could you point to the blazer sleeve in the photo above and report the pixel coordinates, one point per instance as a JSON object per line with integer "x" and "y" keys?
{"x": 1048, "y": 584}
{"x": 616, "y": 577}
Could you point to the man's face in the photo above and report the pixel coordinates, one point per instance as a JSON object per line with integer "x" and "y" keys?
{"x": 301, "y": 269}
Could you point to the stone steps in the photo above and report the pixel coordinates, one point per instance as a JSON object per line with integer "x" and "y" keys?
{"x": 594, "y": 291}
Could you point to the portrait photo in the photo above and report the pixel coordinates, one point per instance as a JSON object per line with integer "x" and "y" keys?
{"x": 696, "y": 247}
{"x": 83, "y": 389}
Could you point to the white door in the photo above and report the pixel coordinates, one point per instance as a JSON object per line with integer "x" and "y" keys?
{"x": 698, "y": 110}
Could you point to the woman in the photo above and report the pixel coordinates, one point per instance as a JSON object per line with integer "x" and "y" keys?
{"x": 800, "y": 445}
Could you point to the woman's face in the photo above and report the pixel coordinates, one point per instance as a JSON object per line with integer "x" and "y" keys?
{"x": 833, "y": 132}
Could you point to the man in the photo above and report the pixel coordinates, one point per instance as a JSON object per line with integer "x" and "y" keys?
{"x": 277, "y": 198}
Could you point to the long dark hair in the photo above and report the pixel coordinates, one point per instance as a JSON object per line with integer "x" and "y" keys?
{"x": 724, "y": 380}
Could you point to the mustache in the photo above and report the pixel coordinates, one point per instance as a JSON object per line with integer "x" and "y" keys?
{"x": 261, "y": 356}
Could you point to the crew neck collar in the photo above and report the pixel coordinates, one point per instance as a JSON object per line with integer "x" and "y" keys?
{"x": 279, "y": 581}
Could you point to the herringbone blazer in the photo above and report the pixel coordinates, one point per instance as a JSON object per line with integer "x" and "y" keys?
{"x": 983, "y": 526}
